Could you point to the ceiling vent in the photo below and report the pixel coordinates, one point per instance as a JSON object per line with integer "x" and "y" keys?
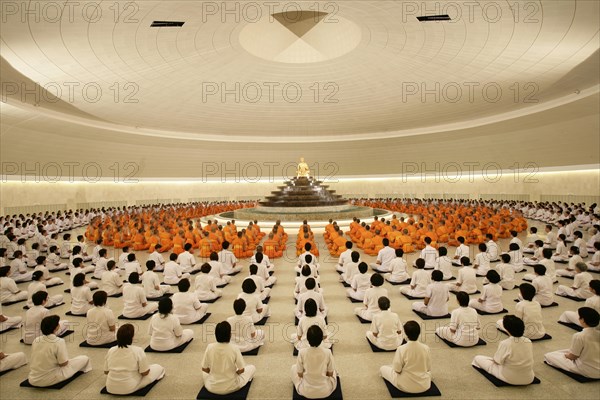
{"x": 443, "y": 17}
{"x": 166, "y": 24}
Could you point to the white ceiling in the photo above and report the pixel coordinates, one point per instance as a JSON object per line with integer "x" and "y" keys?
{"x": 370, "y": 57}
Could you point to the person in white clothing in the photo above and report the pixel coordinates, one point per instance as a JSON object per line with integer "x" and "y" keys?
{"x": 78, "y": 268}
{"x": 223, "y": 367}
{"x": 513, "y": 361}
{"x": 444, "y": 264}
{"x": 411, "y": 369}
{"x": 573, "y": 260}
{"x": 37, "y": 286}
{"x": 263, "y": 270}
{"x": 593, "y": 302}
{"x": 467, "y": 278}
{"x": 482, "y": 261}
{"x": 65, "y": 247}
{"x": 547, "y": 262}
{"x": 580, "y": 244}
{"x": 371, "y": 301}
{"x": 123, "y": 257}
{"x": 243, "y": 332}
{"x": 386, "y": 327}
{"x": 418, "y": 282}
{"x": 532, "y": 239}
{"x": 461, "y": 251}
{"x": 263, "y": 291}
{"x": 96, "y": 251}
{"x": 101, "y": 322}
{"x": 436, "y": 299}
{"x": 111, "y": 281}
{"x": 217, "y": 270}
{"x": 126, "y": 366}
{"x": 537, "y": 253}
{"x": 151, "y": 282}
{"x": 490, "y": 300}
{"x": 46, "y": 278}
{"x": 186, "y": 305}
{"x": 34, "y": 317}
{"x": 492, "y": 247}
{"x": 399, "y": 269}
{"x": 583, "y": 357}
{"x": 594, "y": 264}
{"x": 159, "y": 260}
{"x": 311, "y": 292}
{"x": 206, "y": 284}
{"x": 186, "y": 260}
{"x": 464, "y": 326}
{"x": 305, "y": 274}
{"x": 265, "y": 259}
{"x": 429, "y": 254}
{"x": 581, "y": 283}
{"x": 12, "y": 361}
{"x": 254, "y": 306}
{"x": 50, "y": 362}
{"x": 228, "y": 259}
{"x": 135, "y": 304}
{"x": 173, "y": 271}
{"x": 561, "y": 254}
{"x": 344, "y": 257}
{"x": 307, "y": 258}
{"x": 81, "y": 295}
{"x": 165, "y": 329}
{"x": 530, "y": 311}
{"x": 314, "y": 375}
{"x": 360, "y": 283}
{"x": 351, "y": 268}
{"x": 132, "y": 265}
{"x": 54, "y": 261}
{"x": 18, "y": 268}
{"x": 9, "y": 291}
{"x": 506, "y": 272}
{"x": 309, "y": 318}
{"x": 384, "y": 258}
{"x": 550, "y": 241}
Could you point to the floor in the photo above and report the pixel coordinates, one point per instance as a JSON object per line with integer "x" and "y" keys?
{"x": 358, "y": 367}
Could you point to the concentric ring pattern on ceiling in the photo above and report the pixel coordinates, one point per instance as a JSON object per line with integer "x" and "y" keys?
{"x": 301, "y": 71}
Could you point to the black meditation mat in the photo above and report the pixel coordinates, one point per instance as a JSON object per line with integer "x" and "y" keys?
{"x": 577, "y": 299}
{"x": 481, "y": 312}
{"x": 14, "y": 328}
{"x": 295, "y": 351}
{"x": 201, "y": 320}
{"x": 376, "y": 349}
{"x": 363, "y": 321}
{"x": 139, "y": 393}
{"x": 10, "y": 303}
{"x": 142, "y": 318}
{"x": 100, "y": 346}
{"x": 63, "y": 335}
{"x": 253, "y": 352}
{"x": 573, "y": 375}
{"x": 411, "y": 297}
{"x": 397, "y": 393}
{"x": 178, "y": 349}
{"x": 355, "y": 300}
{"x": 75, "y": 315}
{"x": 481, "y": 342}
{"x": 116, "y": 295}
{"x": 59, "y": 385}
{"x": 572, "y": 326}
{"x": 48, "y": 308}
{"x": 406, "y": 282}
{"x": 346, "y": 284}
{"x": 425, "y": 316}
{"x": 262, "y": 321}
{"x": 336, "y": 395}
{"x": 239, "y": 395}
{"x": 500, "y": 383}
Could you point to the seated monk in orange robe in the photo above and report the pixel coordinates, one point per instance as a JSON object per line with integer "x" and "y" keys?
{"x": 406, "y": 241}
{"x": 139, "y": 242}
{"x": 178, "y": 243}
{"x": 271, "y": 247}
{"x": 239, "y": 248}
{"x": 152, "y": 241}
{"x": 107, "y": 238}
{"x": 166, "y": 244}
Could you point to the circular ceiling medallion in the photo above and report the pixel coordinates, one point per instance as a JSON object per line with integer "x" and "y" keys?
{"x": 300, "y": 37}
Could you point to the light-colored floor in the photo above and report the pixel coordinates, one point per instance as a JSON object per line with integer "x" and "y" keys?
{"x": 358, "y": 367}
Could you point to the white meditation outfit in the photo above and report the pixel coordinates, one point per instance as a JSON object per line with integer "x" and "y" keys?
{"x": 166, "y": 332}
{"x": 242, "y": 329}
{"x": 150, "y": 282}
{"x": 99, "y": 321}
{"x": 314, "y": 363}
{"x": 465, "y": 323}
{"x": 81, "y": 298}
{"x": 12, "y": 361}
{"x": 438, "y": 295}
{"x": 420, "y": 279}
{"x": 386, "y": 325}
{"x": 585, "y": 345}
{"x": 371, "y": 302}
{"x": 411, "y": 368}
{"x": 399, "y": 272}
{"x": 188, "y": 308}
{"x": 224, "y": 360}
{"x": 492, "y": 299}
{"x": 125, "y": 366}
{"x": 133, "y": 300}
{"x": 512, "y": 363}
{"x": 206, "y": 287}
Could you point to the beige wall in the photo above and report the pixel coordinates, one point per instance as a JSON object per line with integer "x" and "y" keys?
{"x": 571, "y": 186}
